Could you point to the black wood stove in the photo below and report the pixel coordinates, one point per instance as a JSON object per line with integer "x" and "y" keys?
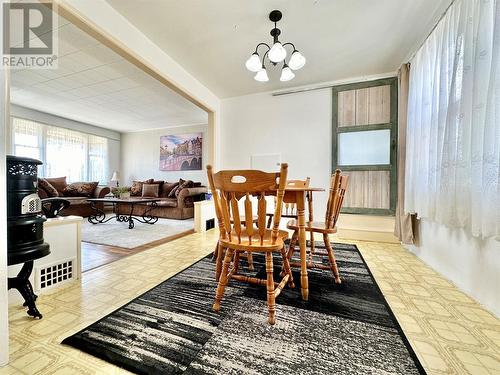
{"x": 24, "y": 226}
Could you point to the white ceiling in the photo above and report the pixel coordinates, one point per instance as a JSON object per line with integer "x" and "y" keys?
{"x": 93, "y": 84}
{"x": 340, "y": 38}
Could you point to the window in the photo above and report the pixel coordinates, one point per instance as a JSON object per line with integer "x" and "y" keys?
{"x": 364, "y": 144}
{"x": 27, "y": 139}
{"x": 66, "y": 153}
{"x": 78, "y": 156}
{"x": 98, "y": 151}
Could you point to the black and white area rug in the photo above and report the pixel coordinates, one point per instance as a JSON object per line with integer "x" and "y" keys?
{"x": 171, "y": 329}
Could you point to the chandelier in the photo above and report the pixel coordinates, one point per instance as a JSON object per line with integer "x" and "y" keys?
{"x": 275, "y": 54}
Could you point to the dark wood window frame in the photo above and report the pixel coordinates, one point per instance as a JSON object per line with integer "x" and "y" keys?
{"x": 392, "y": 125}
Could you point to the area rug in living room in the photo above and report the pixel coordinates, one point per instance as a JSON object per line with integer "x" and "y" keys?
{"x": 118, "y": 234}
{"x": 171, "y": 329}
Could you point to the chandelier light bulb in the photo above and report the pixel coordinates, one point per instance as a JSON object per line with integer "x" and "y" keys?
{"x": 297, "y": 60}
{"x": 261, "y": 75}
{"x": 253, "y": 63}
{"x": 277, "y": 53}
{"x": 286, "y": 74}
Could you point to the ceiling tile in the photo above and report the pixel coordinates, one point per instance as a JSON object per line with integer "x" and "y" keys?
{"x": 93, "y": 84}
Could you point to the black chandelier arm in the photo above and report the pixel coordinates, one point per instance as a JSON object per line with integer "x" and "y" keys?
{"x": 290, "y": 44}
{"x": 262, "y": 44}
{"x": 263, "y": 57}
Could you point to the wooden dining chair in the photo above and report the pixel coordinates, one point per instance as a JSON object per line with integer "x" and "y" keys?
{"x": 289, "y": 207}
{"x": 218, "y": 256}
{"x": 228, "y": 187}
{"x": 338, "y": 186}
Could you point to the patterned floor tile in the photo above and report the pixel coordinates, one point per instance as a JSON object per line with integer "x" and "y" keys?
{"x": 449, "y": 331}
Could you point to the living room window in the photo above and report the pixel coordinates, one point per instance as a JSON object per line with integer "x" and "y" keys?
{"x": 64, "y": 152}
{"x": 27, "y": 139}
{"x": 364, "y": 144}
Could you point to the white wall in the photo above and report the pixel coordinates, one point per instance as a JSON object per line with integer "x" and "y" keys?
{"x": 140, "y": 155}
{"x": 4, "y": 322}
{"x": 114, "y": 138}
{"x": 472, "y": 264}
{"x": 297, "y": 126}
{"x": 4, "y": 118}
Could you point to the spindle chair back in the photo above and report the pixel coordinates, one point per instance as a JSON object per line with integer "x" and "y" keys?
{"x": 237, "y": 232}
{"x": 338, "y": 186}
{"x": 289, "y": 207}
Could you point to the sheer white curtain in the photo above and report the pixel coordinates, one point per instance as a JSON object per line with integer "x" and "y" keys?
{"x": 64, "y": 152}
{"x": 27, "y": 138}
{"x": 453, "y": 134}
{"x": 98, "y": 156}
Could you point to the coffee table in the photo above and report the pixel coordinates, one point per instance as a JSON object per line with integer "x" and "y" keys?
{"x": 147, "y": 217}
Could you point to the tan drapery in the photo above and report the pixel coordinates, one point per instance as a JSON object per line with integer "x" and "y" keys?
{"x": 405, "y": 223}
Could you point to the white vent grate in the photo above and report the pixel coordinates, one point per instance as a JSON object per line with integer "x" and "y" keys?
{"x": 31, "y": 204}
{"x": 49, "y": 276}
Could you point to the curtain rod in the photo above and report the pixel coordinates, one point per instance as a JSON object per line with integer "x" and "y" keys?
{"x": 279, "y": 93}
{"x": 432, "y": 30}
{"x": 336, "y": 83}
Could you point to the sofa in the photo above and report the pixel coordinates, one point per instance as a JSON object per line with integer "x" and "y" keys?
{"x": 76, "y": 193}
{"x": 176, "y": 199}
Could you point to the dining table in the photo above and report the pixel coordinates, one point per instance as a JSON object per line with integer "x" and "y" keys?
{"x": 298, "y": 195}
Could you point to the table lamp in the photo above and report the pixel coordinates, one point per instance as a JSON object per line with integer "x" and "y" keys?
{"x": 114, "y": 179}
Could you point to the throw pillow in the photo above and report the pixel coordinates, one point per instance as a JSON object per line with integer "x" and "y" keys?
{"x": 158, "y": 182}
{"x": 42, "y": 194}
{"x": 136, "y": 188}
{"x": 183, "y": 185}
{"x": 174, "y": 189}
{"x": 150, "y": 190}
{"x": 80, "y": 189}
{"x": 50, "y": 190}
{"x": 160, "y": 185}
{"x": 59, "y": 183}
{"x": 167, "y": 187}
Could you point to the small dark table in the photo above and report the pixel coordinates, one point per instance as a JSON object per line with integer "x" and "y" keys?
{"x": 100, "y": 216}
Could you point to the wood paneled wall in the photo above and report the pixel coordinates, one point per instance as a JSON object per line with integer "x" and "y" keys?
{"x": 368, "y": 189}
{"x": 367, "y": 106}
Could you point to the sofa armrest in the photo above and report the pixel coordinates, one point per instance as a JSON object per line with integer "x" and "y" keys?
{"x": 101, "y": 191}
{"x": 189, "y": 192}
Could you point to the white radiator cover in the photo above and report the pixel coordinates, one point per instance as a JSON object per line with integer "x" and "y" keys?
{"x": 52, "y": 275}
{"x": 63, "y": 234}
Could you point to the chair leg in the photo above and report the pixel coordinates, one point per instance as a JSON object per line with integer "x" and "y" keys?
{"x": 286, "y": 268}
{"x": 216, "y": 251}
{"x": 311, "y": 248}
{"x": 218, "y": 262}
{"x": 271, "y": 303}
{"x": 236, "y": 265}
{"x": 223, "y": 280}
{"x": 291, "y": 249}
{"x": 250, "y": 261}
{"x": 293, "y": 242}
{"x": 331, "y": 258}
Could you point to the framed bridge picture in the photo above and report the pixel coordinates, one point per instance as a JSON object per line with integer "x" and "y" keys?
{"x": 181, "y": 152}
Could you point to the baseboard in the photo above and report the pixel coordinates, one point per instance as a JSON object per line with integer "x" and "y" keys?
{"x": 365, "y": 235}
{"x": 367, "y": 228}
{"x": 361, "y": 228}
